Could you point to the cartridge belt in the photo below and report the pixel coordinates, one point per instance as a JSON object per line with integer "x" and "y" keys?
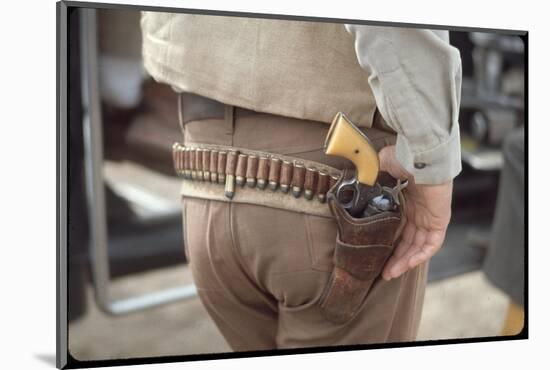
{"x": 242, "y": 175}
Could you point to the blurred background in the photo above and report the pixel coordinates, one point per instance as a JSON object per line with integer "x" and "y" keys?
{"x": 130, "y": 290}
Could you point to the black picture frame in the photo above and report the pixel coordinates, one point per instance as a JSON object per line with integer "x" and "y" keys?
{"x": 64, "y": 359}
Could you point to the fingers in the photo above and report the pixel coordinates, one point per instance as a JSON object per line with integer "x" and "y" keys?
{"x": 428, "y": 215}
{"x": 390, "y": 164}
{"x": 425, "y": 245}
{"x": 431, "y": 247}
{"x": 422, "y": 256}
{"x": 402, "y": 263}
{"x": 413, "y": 237}
{"x": 406, "y": 241}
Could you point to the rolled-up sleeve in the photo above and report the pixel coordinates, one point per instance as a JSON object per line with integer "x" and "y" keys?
{"x": 416, "y": 78}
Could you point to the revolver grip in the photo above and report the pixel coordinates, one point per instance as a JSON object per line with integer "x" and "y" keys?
{"x": 344, "y": 139}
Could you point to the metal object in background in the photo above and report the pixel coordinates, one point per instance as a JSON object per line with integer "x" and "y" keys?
{"x": 93, "y": 154}
{"x": 479, "y": 126}
{"x": 492, "y": 99}
{"x": 489, "y": 55}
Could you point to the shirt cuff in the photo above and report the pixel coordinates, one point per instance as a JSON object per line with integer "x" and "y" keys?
{"x": 435, "y": 166}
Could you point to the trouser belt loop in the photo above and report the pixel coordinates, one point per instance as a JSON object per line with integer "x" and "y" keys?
{"x": 229, "y": 120}
{"x": 180, "y": 115}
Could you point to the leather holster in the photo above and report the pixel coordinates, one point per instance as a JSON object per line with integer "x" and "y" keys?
{"x": 363, "y": 245}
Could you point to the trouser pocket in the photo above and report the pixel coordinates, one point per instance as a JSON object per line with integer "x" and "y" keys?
{"x": 363, "y": 245}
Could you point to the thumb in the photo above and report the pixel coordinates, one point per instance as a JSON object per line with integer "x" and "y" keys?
{"x": 390, "y": 164}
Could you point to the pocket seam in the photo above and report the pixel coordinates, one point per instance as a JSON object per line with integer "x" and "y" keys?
{"x": 184, "y": 217}
{"x": 313, "y": 255}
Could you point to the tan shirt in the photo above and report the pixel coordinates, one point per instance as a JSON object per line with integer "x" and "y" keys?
{"x": 305, "y": 70}
{"x": 311, "y": 70}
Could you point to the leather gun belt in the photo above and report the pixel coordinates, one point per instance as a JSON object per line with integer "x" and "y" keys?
{"x": 247, "y": 176}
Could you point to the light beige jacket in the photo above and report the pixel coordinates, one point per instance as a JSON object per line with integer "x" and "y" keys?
{"x": 311, "y": 70}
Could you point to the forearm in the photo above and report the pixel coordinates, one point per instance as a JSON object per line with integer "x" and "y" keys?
{"x": 416, "y": 76}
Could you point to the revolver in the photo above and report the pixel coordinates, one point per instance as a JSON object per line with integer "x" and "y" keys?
{"x": 361, "y": 195}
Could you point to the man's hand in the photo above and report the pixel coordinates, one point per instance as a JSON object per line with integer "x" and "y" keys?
{"x": 428, "y": 212}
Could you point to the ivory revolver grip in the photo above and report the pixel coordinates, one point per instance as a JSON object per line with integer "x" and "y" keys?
{"x": 344, "y": 139}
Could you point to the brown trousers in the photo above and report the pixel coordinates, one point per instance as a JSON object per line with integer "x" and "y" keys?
{"x": 260, "y": 271}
